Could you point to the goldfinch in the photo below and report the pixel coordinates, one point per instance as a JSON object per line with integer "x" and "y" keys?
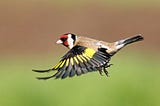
{"x": 86, "y": 55}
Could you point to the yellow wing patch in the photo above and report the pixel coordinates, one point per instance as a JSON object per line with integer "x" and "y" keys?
{"x": 89, "y": 52}
{"x": 79, "y": 58}
{"x": 84, "y": 55}
{"x": 67, "y": 62}
{"x": 57, "y": 65}
{"x": 76, "y": 60}
{"x": 62, "y": 63}
{"x": 71, "y": 61}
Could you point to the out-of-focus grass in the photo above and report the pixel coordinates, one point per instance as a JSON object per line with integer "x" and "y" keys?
{"x": 134, "y": 81}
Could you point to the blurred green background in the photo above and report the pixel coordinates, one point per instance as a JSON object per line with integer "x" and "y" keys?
{"x": 30, "y": 28}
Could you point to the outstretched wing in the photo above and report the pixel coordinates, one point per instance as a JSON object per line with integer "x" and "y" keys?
{"x": 79, "y": 60}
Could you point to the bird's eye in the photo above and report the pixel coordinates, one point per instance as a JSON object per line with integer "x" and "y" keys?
{"x": 63, "y": 39}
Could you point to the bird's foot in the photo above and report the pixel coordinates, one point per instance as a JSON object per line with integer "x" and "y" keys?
{"x": 106, "y": 71}
{"x": 100, "y": 71}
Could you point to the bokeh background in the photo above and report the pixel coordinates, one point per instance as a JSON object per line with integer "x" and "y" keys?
{"x": 30, "y": 28}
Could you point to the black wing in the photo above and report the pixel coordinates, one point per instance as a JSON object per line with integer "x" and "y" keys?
{"x": 79, "y": 60}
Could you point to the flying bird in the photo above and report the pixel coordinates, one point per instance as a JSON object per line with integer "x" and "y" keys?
{"x": 86, "y": 55}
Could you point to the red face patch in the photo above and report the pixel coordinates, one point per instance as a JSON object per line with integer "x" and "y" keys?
{"x": 66, "y": 43}
{"x": 65, "y": 36}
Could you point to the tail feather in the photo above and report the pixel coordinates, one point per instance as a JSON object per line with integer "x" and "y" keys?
{"x": 122, "y": 43}
{"x": 130, "y": 40}
{"x": 133, "y": 39}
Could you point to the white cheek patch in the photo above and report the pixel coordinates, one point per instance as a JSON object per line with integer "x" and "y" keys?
{"x": 70, "y": 42}
{"x": 69, "y": 35}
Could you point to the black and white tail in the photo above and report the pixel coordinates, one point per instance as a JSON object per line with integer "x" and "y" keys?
{"x": 121, "y": 43}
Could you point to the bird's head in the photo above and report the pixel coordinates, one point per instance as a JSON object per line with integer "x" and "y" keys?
{"x": 67, "y": 40}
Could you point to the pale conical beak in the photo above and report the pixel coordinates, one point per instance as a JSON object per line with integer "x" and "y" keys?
{"x": 59, "y": 42}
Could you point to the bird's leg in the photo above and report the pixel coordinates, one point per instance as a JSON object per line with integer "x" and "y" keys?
{"x": 105, "y": 71}
{"x": 100, "y": 71}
